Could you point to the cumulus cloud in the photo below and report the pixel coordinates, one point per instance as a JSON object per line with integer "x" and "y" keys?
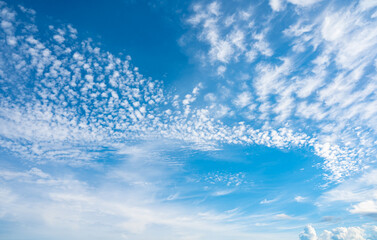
{"x": 343, "y": 233}
{"x": 368, "y": 207}
{"x": 309, "y": 233}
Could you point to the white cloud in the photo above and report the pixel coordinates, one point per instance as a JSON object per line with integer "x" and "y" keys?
{"x": 279, "y": 5}
{"x": 237, "y": 37}
{"x": 59, "y": 38}
{"x": 229, "y": 20}
{"x": 350, "y": 35}
{"x": 276, "y": 5}
{"x": 225, "y": 179}
{"x": 211, "y": 97}
{"x": 266, "y": 201}
{"x": 223, "y": 192}
{"x": 309, "y": 233}
{"x": 361, "y": 192}
{"x": 214, "y": 8}
{"x": 227, "y": 41}
{"x": 300, "y": 199}
{"x": 69, "y": 207}
{"x": 251, "y": 55}
{"x": 304, "y": 2}
{"x": 262, "y": 45}
{"x": 351, "y": 233}
{"x": 283, "y": 216}
{"x": 128, "y": 104}
{"x": 243, "y": 99}
{"x": 221, "y": 70}
{"x": 367, "y": 4}
{"x": 367, "y": 207}
{"x": 271, "y": 79}
{"x": 344, "y": 37}
{"x": 221, "y": 51}
{"x": 69, "y": 116}
{"x": 366, "y": 232}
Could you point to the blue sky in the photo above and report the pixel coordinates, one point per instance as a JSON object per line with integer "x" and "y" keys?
{"x": 194, "y": 120}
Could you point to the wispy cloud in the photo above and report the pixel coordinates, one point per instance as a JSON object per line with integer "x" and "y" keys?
{"x": 361, "y": 194}
{"x": 300, "y": 199}
{"x": 268, "y": 201}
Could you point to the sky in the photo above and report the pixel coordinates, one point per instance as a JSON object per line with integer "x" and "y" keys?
{"x": 188, "y": 120}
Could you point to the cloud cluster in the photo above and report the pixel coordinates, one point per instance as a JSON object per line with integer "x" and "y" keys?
{"x": 321, "y": 80}
{"x": 230, "y": 37}
{"x": 66, "y": 100}
{"x": 340, "y": 233}
{"x": 63, "y": 98}
{"x": 308, "y": 234}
